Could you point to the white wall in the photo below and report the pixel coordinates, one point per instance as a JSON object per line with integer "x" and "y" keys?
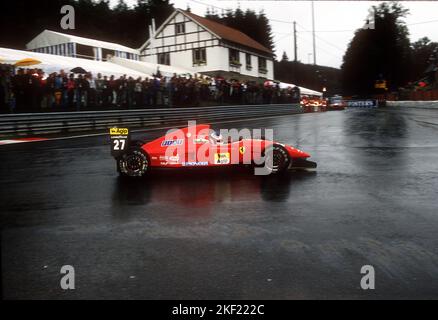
{"x": 413, "y": 104}
{"x": 217, "y": 59}
{"x": 270, "y": 66}
{"x": 254, "y": 72}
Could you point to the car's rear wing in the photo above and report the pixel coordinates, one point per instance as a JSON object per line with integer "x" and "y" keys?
{"x": 120, "y": 141}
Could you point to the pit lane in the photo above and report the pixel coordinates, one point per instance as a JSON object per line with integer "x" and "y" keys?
{"x": 230, "y": 235}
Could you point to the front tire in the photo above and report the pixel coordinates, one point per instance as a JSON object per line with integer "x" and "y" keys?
{"x": 134, "y": 163}
{"x": 276, "y": 159}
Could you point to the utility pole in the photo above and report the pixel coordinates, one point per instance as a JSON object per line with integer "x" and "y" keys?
{"x": 295, "y": 42}
{"x": 313, "y": 34}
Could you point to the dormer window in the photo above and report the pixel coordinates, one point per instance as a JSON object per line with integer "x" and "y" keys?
{"x": 180, "y": 28}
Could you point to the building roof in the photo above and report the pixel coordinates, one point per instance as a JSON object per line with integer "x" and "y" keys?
{"x": 54, "y": 63}
{"x": 310, "y": 92}
{"x": 219, "y": 30}
{"x": 227, "y": 33}
{"x": 49, "y": 38}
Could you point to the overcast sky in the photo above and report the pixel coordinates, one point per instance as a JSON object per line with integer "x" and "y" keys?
{"x": 335, "y": 22}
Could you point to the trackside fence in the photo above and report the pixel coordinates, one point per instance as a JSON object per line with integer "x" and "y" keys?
{"x": 65, "y": 122}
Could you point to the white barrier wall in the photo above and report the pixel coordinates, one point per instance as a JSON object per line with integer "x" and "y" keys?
{"x": 413, "y": 104}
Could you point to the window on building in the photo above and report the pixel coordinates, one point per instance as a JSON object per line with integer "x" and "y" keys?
{"x": 83, "y": 51}
{"x": 106, "y": 53}
{"x": 199, "y": 56}
{"x": 234, "y": 57}
{"x": 164, "y": 58}
{"x": 248, "y": 61}
{"x": 262, "y": 65}
{"x": 180, "y": 28}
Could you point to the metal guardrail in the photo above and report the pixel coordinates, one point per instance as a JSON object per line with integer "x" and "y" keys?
{"x": 63, "y": 122}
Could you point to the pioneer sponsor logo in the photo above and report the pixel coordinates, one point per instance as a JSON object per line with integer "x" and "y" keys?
{"x": 195, "y": 164}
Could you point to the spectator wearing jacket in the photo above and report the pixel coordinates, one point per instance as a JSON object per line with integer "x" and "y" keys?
{"x": 100, "y": 88}
{"x": 81, "y": 87}
{"x": 91, "y": 93}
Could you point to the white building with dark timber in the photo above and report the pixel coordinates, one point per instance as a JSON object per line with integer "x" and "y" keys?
{"x": 195, "y": 43}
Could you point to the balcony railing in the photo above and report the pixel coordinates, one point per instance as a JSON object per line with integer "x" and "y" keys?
{"x": 235, "y": 66}
{"x": 199, "y": 63}
{"x": 235, "y": 63}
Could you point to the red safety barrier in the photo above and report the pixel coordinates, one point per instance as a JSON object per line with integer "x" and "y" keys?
{"x": 423, "y": 95}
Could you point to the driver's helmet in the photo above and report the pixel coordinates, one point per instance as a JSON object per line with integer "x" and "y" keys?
{"x": 216, "y": 137}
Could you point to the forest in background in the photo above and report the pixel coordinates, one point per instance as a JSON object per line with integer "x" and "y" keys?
{"x": 23, "y": 20}
{"x": 385, "y": 52}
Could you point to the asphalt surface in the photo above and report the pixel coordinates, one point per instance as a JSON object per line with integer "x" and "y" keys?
{"x": 230, "y": 234}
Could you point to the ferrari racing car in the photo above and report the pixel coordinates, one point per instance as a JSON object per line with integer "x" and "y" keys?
{"x": 200, "y": 146}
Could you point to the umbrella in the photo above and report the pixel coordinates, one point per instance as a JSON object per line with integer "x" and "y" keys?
{"x": 26, "y": 62}
{"x": 79, "y": 70}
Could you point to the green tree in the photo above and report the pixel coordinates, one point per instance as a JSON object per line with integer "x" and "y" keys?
{"x": 422, "y": 53}
{"x": 22, "y": 20}
{"x": 264, "y": 31}
{"x": 308, "y": 75}
{"x": 254, "y": 25}
{"x": 383, "y": 52}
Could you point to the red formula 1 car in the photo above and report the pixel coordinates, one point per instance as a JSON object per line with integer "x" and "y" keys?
{"x": 199, "y": 146}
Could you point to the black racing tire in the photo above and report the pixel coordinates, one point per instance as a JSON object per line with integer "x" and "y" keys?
{"x": 280, "y": 159}
{"x": 134, "y": 163}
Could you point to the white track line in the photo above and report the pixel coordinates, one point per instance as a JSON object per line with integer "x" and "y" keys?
{"x": 14, "y": 141}
{"x": 4, "y": 142}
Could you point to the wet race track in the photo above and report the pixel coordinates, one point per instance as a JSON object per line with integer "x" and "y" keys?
{"x": 230, "y": 234}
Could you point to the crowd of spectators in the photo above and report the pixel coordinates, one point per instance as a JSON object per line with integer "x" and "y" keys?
{"x": 29, "y": 90}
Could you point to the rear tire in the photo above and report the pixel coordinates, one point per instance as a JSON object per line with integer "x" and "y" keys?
{"x": 276, "y": 159}
{"x": 134, "y": 163}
